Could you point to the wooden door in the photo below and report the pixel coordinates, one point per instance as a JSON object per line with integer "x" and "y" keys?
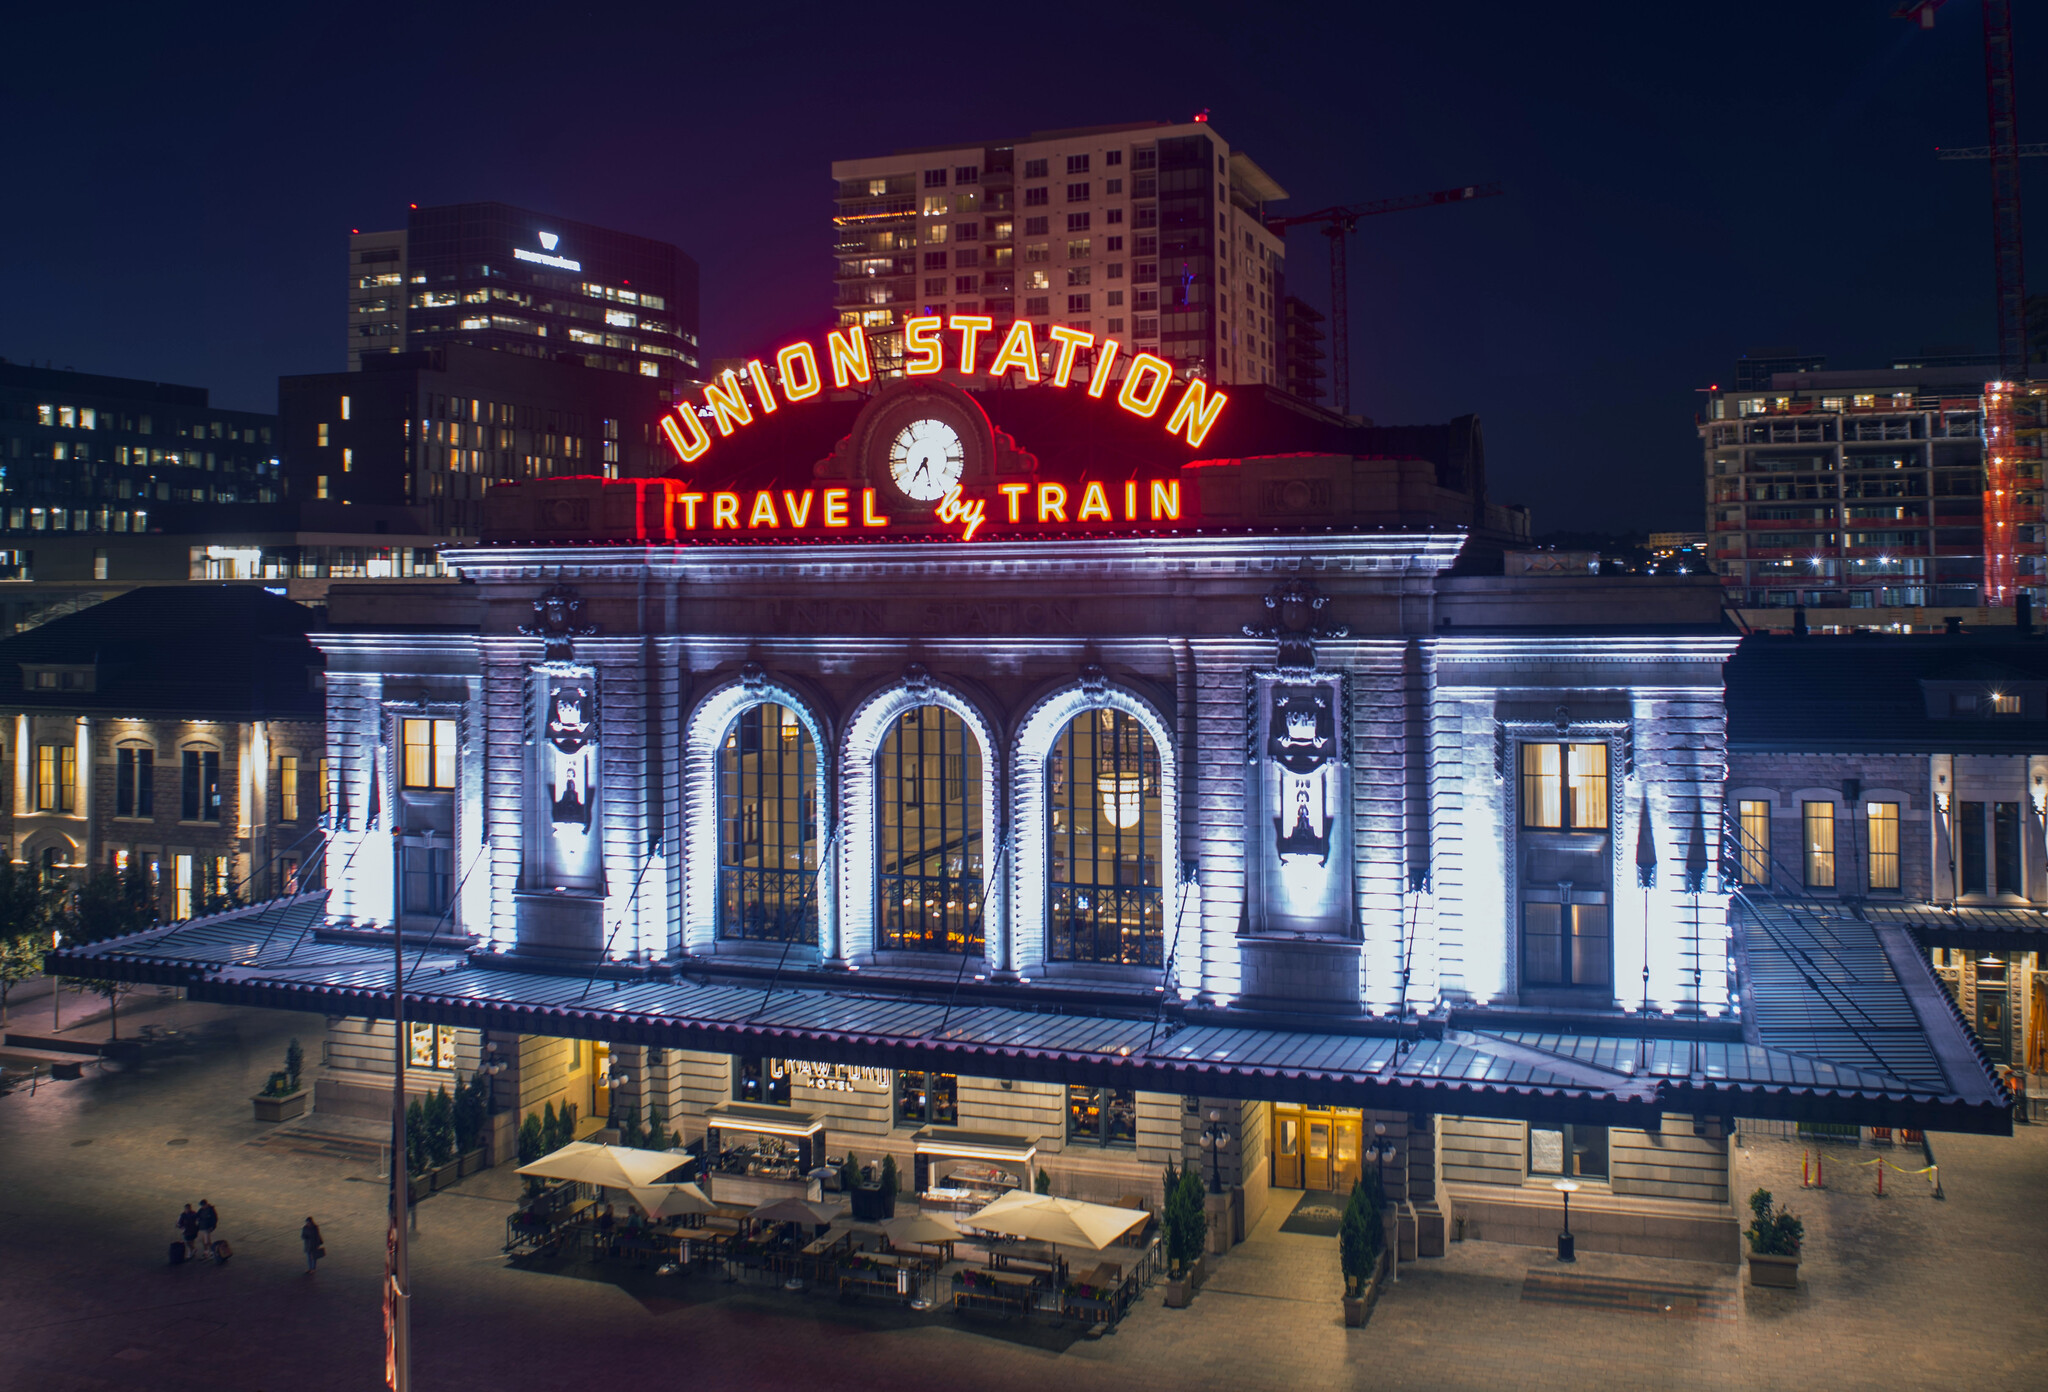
{"x": 1316, "y": 1169}
{"x": 2037, "y": 1029}
{"x": 600, "y": 1070}
{"x": 1286, "y": 1148}
{"x": 1347, "y": 1134}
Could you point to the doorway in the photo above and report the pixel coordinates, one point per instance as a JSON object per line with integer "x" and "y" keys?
{"x": 1317, "y": 1147}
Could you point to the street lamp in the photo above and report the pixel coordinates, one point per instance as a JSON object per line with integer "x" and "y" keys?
{"x": 1215, "y": 1136}
{"x": 1566, "y": 1249}
{"x": 1379, "y": 1151}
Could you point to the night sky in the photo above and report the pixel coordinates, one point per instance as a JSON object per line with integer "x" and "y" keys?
{"x": 1683, "y": 182}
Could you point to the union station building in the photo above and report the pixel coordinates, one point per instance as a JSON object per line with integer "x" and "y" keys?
{"x": 1255, "y": 776}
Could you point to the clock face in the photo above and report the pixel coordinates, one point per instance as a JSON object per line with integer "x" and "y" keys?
{"x": 926, "y": 459}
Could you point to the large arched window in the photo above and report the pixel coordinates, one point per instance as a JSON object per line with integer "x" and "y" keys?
{"x": 928, "y": 895}
{"x": 1106, "y": 880}
{"x": 768, "y": 828}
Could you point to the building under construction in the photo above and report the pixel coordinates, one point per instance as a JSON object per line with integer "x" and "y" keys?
{"x": 1893, "y": 498}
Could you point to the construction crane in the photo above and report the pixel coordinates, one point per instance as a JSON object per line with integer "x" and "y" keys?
{"x": 1338, "y": 224}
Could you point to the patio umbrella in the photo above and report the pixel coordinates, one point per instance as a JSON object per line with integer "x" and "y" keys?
{"x": 671, "y": 1200}
{"x": 615, "y": 1167}
{"x": 919, "y": 1230}
{"x": 791, "y": 1211}
{"x": 1070, "y": 1222}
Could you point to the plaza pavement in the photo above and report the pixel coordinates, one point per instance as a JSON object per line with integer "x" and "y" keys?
{"x": 1897, "y": 1293}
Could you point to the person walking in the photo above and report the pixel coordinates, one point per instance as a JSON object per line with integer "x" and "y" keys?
{"x": 309, "y": 1238}
{"x": 188, "y": 1224}
{"x": 209, "y": 1219}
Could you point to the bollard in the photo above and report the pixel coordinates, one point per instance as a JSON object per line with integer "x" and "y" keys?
{"x": 1805, "y": 1169}
{"x": 1880, "y": 1176}
{"x": 1820, "y": 1170}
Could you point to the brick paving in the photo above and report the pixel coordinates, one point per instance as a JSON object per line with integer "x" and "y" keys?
{"x": 1899, "y": 1292}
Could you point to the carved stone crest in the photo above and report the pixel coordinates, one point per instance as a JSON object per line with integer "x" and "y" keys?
{"x": 1297, "y": 622}
{"x": 558, "y": 622}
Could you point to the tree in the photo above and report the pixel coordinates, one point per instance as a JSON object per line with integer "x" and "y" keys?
{"x": 532, "y": 1144}
{"x": 106, "y": 906}
{"x": 1360, "y": 1237}
{"x": 1184, "y": 1217}
{"x": 25, "y": 922}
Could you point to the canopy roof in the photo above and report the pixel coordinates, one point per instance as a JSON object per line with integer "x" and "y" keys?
{"x": 617, "y": 1167}
{"x": 1067, "y": 1222}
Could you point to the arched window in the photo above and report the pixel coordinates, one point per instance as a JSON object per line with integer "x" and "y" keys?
{"x": 768, "y": 828}
{"x": 928, "y": 787}
{"x": 1106, "y": 890}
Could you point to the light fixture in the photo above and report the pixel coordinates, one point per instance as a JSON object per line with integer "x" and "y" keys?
{"x": 1566, "y": 1247}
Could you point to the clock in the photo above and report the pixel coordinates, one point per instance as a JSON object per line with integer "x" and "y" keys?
{"x": 926, "y": 459}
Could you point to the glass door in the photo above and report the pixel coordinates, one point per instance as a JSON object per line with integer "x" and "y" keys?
{"x": 1346, "y": 1134}
{"x": 1317, "y": 1174}
{"x": 1286, "y": 1148}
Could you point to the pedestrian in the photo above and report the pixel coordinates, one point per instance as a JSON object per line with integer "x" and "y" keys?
{"x": 209, "y": 1219}
{"x": 309, "y": 1238}
{"x": 188, "y": 1224}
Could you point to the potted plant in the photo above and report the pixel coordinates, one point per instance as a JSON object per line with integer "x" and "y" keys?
{"x": 889, "y": 1183}
{"x": 1361, "y": 1239}
{"x": 472, "y": 1116}
{"x": 1186, "y": 1221}
{"x": 418, "y": 1162}
{"x": 283, "y": 1097}
{"x": 1774, "y": 1238}
{"x": 440, "y": 1111}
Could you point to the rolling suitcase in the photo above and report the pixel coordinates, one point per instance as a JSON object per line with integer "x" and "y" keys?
{"x": 221, "y": 1253}
{"x": 177, "y": 1253}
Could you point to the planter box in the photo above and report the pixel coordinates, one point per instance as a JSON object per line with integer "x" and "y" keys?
{"x": 447, "y": 1176}
{"x": 419, "y": 1186}
{"x": 1778, "y": 1273}
{"x": 292, "y": 1104}
{"x": 471, "y": 1161}
{"x": 1358, "y": 1308}
{"x": 1180, "y": 1292}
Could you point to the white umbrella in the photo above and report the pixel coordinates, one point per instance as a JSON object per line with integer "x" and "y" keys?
{"x": 919, "y": 1230}
{"x": 1070, "y": 1222}
{"x": 671, "y": 1200}
{"x": 791, "y": 1211}
{"x": 615, "y": 1167}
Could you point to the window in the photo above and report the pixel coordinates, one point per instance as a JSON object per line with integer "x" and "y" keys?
{"x": 1102, "y": 1116}
{"x": 1564, "y": 787}
{"x": 1107, "y": 900}
{"x": 1036, "y": 226}
{"x": 928, "y": 786}
{"x": 768, "y": 828}
{"x": 321, "y": 430}
{"x": 2005, "y": 847}
{"x": 1114, "y": 217}
{"x": 1077, "y": 222}
{"x": 288, "y": 788}
{"x": 1077, "y": 193}
{"x": 1883, "y": 820}
{"x": 762, "y": 1080}
{"x": 2001, "y": 703}
{"x": 935, "y": 178}
{"x": 1034, "y": 169}
{"x": 935, "y": 285}
{"x": 181, "y": 887}
{"x": 927, "y": 1099}
{"x": 1077, "y": 164}
{"x": 1753, "y": 828}
{"x": 1112, "y": 186}
{"x": 134, "y": 783}
{"x": 1078, "y": 304}
{"x": 965, "y": 285}
{"x": 935, "y": 260}
{"x": 323, "y": 787}
{"x": 1820, "y": 845}
{"x": 1971, "y": 869}
{"x": 56, "y": 777}
{"x": 429, "y": 753}
{"x": 1566, "y": 943}
{"x": 1580, "y": 1151}
{"x": 429, "y": 1046}
{"x": 1078, "y": 249}
{"x": 1037, "y": 197}
{"x": 967, "y": 174}
{"x": 1037, "y": 304}
{"x": 426, "y": 886}
{"x": 1113, "y": 158}
{"x": 1080, "y": 275}
{"x": 937, "y": 205}
{"x": 201, "y": 786}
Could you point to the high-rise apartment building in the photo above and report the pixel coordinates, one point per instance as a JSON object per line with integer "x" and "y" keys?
{"x": 1150, "y": 233}
{"x": 1863, "y": 496}
{"x": 489, "y": 275}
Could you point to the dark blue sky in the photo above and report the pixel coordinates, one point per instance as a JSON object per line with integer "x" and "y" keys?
{"x": 1682, "y": 181}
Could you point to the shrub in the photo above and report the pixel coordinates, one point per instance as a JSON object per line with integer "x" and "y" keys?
{"x": 280, "y": 1084}
{"x": 440, "y": 1116}
{"x": 550, "y": 1130}
{"x": 472, "y": 1112}
{"x": 1184, "y": 1218}
{"x": 1044, "y": 1181}
{"x": 889, "y": 1181}
{"x": 849, "y": 1173}
{"x": 294, "y": 1062}
{"x": 657, "y": 1126}
{"x": 629, "y": 1126}
{"x": 1360, "y": 1237}
{"x": 532, "y": 1142}
{"x": 415, "y": 1138}
{"x": 1773, "y": 1232}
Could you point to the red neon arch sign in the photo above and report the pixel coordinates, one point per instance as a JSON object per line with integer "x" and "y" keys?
{"x": 1147, "y": 382}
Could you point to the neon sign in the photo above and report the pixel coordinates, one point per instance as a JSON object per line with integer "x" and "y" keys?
{"x": 1147, "y": 381}
{"x": 767, "y": 512}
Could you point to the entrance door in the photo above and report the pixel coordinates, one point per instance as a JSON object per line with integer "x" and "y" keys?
{"x": 1346, "y": 1135}
{"x": 601, "y": 1068}
{"x": 1991, "y": 1018}
{"x": 1286, "y": 1148}
{"x": 1316, "y": 1169}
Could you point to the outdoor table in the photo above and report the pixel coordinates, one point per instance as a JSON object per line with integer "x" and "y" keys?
{"x": 1008, "y": 1291}
{"x": 880, "y": 1274}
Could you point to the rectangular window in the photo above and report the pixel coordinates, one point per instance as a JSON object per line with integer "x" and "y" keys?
{"x": 181, "y": 888}
{"x": 1102, "y": 1116}
{"x": 429, "y": 753}
{"x": 1570, "y": 1149}
{"x": 1564, "y": 787}
{"x": 1543, "y": 786}
{"x": 1077, "y": 193}
{"x": 134, "y": 783}
{"x": 1037, "y": 197}
{"x": 323, "y": 787}
{"x": 762, "y": 1080}
{"x": 2005, "y": 848}
{"x": 1820, "y": 845}
{"x": 1753, "y": 827}
{"x": 1077, "y": 164}
{"x": 927, "y": 1099}
{"x": 201, "y": 786}
{"x": 1036, "y": 226}
{"x": 1565, "y": 944}
{"x": 426, "y": 887}
{"x": 1078, "y": 304}
{"x": 1971, "y": 868}
{"x": 430, "y": 1046}
{"x": 935, "y": 178}
{"x": 1034, "y": 169}
{"x": 56, "y": 777}
{"x": 288, "y": 788}
{"x": 1883, "y": 820}
{"x": 1077, "y": 222}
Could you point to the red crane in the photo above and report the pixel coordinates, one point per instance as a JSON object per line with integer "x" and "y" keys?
{"x": 1338, "y": 224}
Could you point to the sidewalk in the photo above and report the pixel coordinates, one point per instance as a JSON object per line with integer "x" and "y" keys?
{"x": 80, "y": 1018}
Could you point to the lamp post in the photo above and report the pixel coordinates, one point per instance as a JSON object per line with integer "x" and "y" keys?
{"x": 1215, "y": 1135}
{"x": 1379, "y": 1150}
{"x": 1566, "y": 1250}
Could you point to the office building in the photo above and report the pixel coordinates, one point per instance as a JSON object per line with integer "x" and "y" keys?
{"x": 434, "y": 428}
{"x": 1302, "y": 353}
{"x": 1151, "y": 234}
{"x": 489, "y": 275}
{"x": 1006, "y": 793}
{"x": 1865, "y": 499}
{"x": 82, "y": 453}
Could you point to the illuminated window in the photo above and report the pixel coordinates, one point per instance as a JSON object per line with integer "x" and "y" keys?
{"x": 1883, "y": 820}
{"x": 323, "y": 787}
{"x": 320, "y": 485}
{"x": 288, "y": 788}
{"x": 1753, "y": 827}
{"x": 200, "y": 786}
{"x": 1103, "y": 800}
{"x": 1566, "y": 944}
{"x": 429, "y": 753}
{"x": 56, "y": 777}
{"x": 761, "y": 1080}
{"x": 927, "y": 1099}
{"x": 1564, "y": 787}
{"x": 937, "y": 205}
{"x": 181, "y": 887}
{"x": 1078, "y": 249}
{"x": 134, "y": 783}
{"x": 344, "y": 412}
{"x": 768, "y": 828}
{"x": 321, "y": 429}
{"x": 1820, "y": 844}
{"x": 429, "y": 1046}
{"x": 1037, "y": 251}
{"x": 1102, "y": 1116}
{"x": 1569, "y": 1149}
{"x": 929, "y": 886}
